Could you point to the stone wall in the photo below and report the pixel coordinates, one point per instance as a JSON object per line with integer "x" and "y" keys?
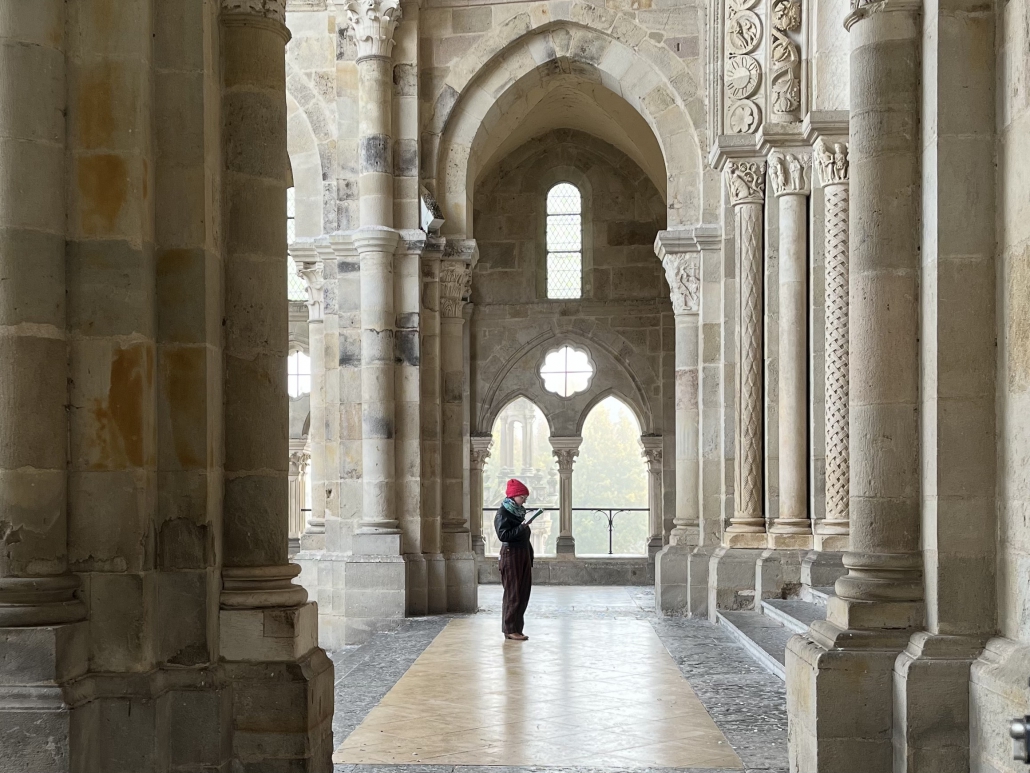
{"x": 624, "y": 319}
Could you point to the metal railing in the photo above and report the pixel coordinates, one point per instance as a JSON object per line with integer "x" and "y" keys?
{"x": 608, "y": 513}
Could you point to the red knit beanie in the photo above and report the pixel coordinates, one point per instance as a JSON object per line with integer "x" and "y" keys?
{"x": 516, "y": 488}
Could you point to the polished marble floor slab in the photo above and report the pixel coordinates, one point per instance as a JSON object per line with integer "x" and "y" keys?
{"x": 581, "y": 692}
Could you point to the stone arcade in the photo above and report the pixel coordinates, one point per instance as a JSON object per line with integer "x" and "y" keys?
{"x": 794, "y": 242}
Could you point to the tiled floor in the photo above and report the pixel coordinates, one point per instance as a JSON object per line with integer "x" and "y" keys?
{"x": 602, "y": 685}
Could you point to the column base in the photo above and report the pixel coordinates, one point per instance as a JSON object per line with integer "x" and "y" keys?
{"x": 731, "y": 579}
{"x": 436, "y": 572}
{"x": 931, "y": 703}
{"x": 281, "y": 688}
{"x": 997, "y": 694}
{"x": 681, "y": 580}
{"x": 565, "y": 546}
{"x": 840, "y": 699}
{"x": 36, "y": 727}
{"x": 747, "y": 540}
{"x": 462, "y": 578}
{"x": 416, "y": 584}
{"x": 821, "y": 569}
{"x": 778, "y": 574}
{"x": 789, "y": 540}
{"x": 313, "y": 538}
{"x": 832, "y": 536}
{"x": 654, "y": 546}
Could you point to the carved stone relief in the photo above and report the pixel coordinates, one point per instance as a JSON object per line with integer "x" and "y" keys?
{"x": 742, "y": 71}
{"x": 785, "y": 60}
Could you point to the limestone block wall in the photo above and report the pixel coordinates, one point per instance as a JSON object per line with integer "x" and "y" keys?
{"x": 625, "y": 317}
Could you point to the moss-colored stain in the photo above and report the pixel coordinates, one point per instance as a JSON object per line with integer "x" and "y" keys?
{"x": 103, "y": 182}
{"x": 184, "y": 390}
{"x": 120, "y": 423}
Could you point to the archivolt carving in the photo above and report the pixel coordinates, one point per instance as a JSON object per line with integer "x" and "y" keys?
{"x": 742, "y": 72}
{"x": 785, "y": 60}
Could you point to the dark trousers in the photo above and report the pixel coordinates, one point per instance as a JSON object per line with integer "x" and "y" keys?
{"x": 516, "y": 565}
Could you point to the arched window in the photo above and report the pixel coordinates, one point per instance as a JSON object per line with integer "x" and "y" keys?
{"x": 298, "y": 374}
{"x": 564, "y": 242}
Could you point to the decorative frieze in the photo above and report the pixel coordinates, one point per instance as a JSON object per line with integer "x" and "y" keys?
{"x": 371, "y": 25}
{"x": 268, "y": 9}
{"x": 788, "y": 173}
{"x": 785, "y": 61}
{"x": 683, "y": 272}
{"x": 455, "y": 286}
{"x": 742, "y": 71}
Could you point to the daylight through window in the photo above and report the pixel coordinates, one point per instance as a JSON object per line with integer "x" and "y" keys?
{"x": 567, "y": 371}
{"x": 298, "y": 370}
{"x": 564, "y": 242}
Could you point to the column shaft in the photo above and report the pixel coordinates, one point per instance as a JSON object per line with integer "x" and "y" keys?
{"x": 479, "y": 454}
{"x": 792, "y": 528}
{"x": 35, "y": 587}
{"x": 687, "y": 520}
{"x": 651, "y": 446}
{"x": 565, "y": 450}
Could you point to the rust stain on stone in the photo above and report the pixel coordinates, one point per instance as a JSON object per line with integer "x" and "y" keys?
{"x": 103, "y": 183}
{"x": 120, "y": 418}
{"x": 184, "y": 390}
{"x": 95, "y": 105}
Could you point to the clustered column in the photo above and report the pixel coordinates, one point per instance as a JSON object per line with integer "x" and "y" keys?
{"x": 792, "y": 527}
{"x": 255, "y": 572}
{"x": 35, "y": 586}
{"x": 565, "y": 450}
{"x": 831, "y": 533}
{"x": 479, "y": 453}
{"x": 746, "y": 182}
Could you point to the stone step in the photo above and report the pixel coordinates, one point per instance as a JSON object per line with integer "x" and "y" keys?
{"x": 764, "y": 638}
{"x": 795, "y": 615}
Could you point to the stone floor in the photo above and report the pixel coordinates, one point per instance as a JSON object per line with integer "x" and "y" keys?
{"x": 449, "y": 695}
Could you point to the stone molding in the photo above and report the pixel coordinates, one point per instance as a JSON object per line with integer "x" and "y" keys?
{"x": 742, "y": 71}
{"x": 832, "y": 162}
{"x": 372, "y": 24}
{"x": 785, "y": 61}
{"x": 788, "y": 174}
{"x": 746, "y": 181}
{"x": 274, "y": 10}
{"x": 455, "y": 286}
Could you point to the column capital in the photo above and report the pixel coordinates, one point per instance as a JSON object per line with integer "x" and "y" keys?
{"x": 374, "y": 239}
{"x": 314, "y": 282}
{"x": 746, "y": 181}
{"x": 371, "y": 24}
{"x": 455, "y": 286}
{"x": 480, "y": 450}
{"x": 651, "y": 448}
{"x": 275, "y": 10}
{"x": 788, "y": 173}
{"x": 565, "y": 450}
{"x": 860, "y": 9}
{"x": 683, "y": 273}
{"x": 832, "y": 162}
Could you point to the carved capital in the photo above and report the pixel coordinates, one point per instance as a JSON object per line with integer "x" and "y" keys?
{"x": 789, "y": 174}
{"x": 683, "y": 272}
{"x": 265, "y": 9}
{"x": 746, "y": 181}
{"x": 566, "y": 458}
{"x": 480, "y": 450}
{"x": 832, "y": 162}
{"x": 299, "y": 461}
{"x": 455, "y": 285}
{"x": 651, "y": 450}
{"x": 314, "y": 282}
{"x": 371, "y": 24}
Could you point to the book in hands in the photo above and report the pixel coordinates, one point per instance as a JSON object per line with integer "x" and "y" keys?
{"x": 534, "y": 516}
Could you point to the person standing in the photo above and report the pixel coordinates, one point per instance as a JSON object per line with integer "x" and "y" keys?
{"x": 516, "y": 559}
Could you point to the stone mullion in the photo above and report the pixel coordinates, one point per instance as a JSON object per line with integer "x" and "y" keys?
{"x": 832, "y": 531}
{"x": 747, "y": 186}
{"x": 35, "y": 586}
{"x": 792, "y": 527}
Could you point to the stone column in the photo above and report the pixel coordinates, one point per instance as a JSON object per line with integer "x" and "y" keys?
{"x": 431, "y": 423}
{"x": 792, "y": 527}
{"x": 264, "y": 617}
{"x": 746, "y": 182}
{"x": 831, "y": 533}
{"x": 480, "y": 453}
{"x": 565, "y": 450}
{"x": 462, "y": 585}
{"x": 298, "y": 463}
{"x": 651, "y": 448}
{"x": 879, "y": 601}
{"x": 314, "y": 282}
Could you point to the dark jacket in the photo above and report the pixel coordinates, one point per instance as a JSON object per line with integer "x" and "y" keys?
{"x": 511, "y": 530}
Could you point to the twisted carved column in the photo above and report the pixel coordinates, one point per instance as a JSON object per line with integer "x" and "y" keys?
{"x": 792, "y": 527}
{"x": 746, "y": 181}
{"x": 832, "y": 531}
{"x": 565, "y": 450}
{"x": 479, "y": 453}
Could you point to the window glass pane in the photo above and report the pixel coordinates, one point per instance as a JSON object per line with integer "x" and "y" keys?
{"x": 563, "y": 198}
{"x": 564, "y": 275}
{"x": 564, "y": 233}
{"x": 564, "y": 242}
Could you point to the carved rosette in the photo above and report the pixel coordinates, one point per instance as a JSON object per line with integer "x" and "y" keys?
{"x": 566, "y": 458}
{"x": 788, "y": 174}
{"x": 683, "y": 273}
{"x": 372, "y": 24}
{"x": 746, "y": 181}
{"x": 455, "y": 286}
{"x": 785, "y": 61}
{"x": 314, "y": 284}
{"x": 742, "y": 73}
{"x": 266, "y": 9}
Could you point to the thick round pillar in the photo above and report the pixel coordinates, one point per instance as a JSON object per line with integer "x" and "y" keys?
{"x": 884, "y": 561}
{"x": 256, "y": 571}
{"x": 792, "y": 527}
{"x": 832, "y": 531}
{"x": 35, "y": 586}
{"x": 746, "y": 181}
